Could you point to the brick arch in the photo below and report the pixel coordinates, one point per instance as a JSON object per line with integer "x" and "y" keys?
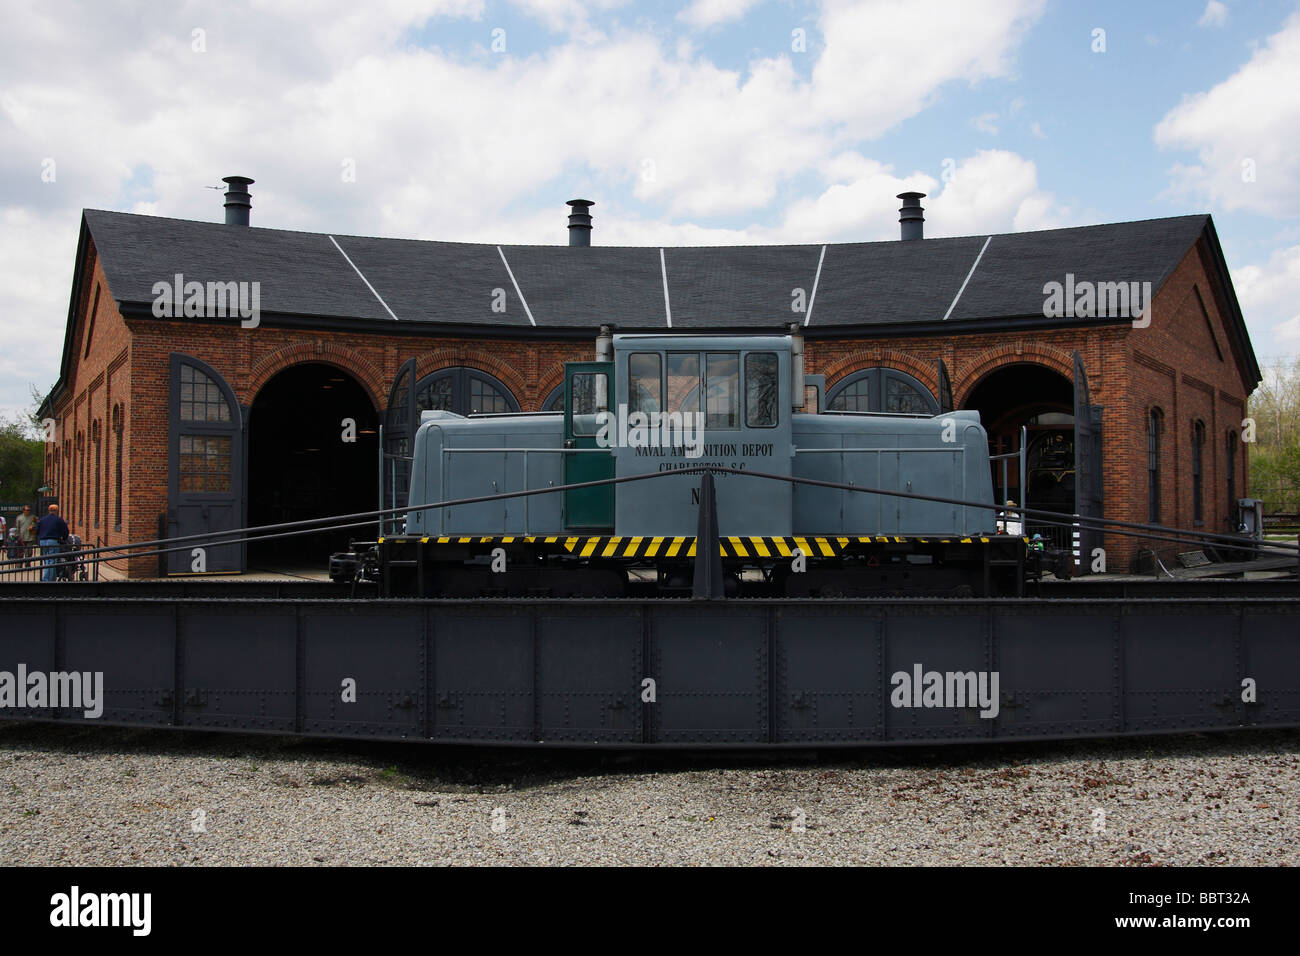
{"x": 991, "y": 360}
{"x": 452, "y": 356}
{"x": 366, "y": 373}
{"x": 926, "y": 373}
{"x": 553, "y": 376}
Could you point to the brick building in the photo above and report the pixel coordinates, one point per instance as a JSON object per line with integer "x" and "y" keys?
{"x": 178, "y": 413}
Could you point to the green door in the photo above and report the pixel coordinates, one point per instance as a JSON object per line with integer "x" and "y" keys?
{"x": 587, "y": 390}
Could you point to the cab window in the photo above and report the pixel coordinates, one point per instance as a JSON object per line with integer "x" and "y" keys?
{"x": 760, "y": 390}
{"x": 683, "y": 390}
{"x": 644, "y": 382}
{"x": 589, "y": 392}
{"x": 722, "y": 390}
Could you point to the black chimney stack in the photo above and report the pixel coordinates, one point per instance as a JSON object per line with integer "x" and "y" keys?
{"x": 238, "y": 201}
{"x": 912, "y": 217}
{"x": 580, "y": 222}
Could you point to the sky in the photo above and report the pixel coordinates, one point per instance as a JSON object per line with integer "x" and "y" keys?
{"x": 709, "y": 122}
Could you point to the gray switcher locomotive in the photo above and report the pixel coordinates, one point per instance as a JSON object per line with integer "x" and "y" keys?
{"x": 657, "y": 405}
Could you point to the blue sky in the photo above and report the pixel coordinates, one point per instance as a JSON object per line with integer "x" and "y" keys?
{"x": 707, "y": 122}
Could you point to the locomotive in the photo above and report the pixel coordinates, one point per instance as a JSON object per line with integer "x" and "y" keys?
{"x": 638, "y": 427}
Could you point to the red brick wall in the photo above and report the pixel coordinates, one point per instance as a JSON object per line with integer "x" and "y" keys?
{"x": 99, "y": 381}
{"x": 249, "y": 358}
{"x": 1184, "y": 365}
{"x": 1172, "y": 364}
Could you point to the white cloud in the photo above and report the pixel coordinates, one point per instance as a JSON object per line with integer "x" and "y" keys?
{"x": 991, "y": 191}
{"x": 707, "y": 13}
{"x": 1269, "y": 295}
{"x": 1242, "y": 128}
{"x": 860, "y": 207}
{"x": 567, "y": 16}
{"x": 450, "y": 145}
{"x": 986, "y": 123}
{"x": 37, "y": 259}
{"x": 1215, "y": 15}
{"x": 870, "y": 79}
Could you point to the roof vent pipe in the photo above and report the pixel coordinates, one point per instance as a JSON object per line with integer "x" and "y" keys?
{"x": 238, "y": 201}
{"x": 911, "y": 216}
{"x": 580, "y": 222}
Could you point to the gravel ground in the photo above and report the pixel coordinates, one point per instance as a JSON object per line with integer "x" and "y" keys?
{"x": 76, "y": 796}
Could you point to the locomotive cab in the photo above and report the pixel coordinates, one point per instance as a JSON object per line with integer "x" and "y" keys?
{"x": 684, "y": 402}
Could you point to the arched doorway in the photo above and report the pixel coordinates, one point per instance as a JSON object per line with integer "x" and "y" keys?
{"x": 1041, "y": 400}
{"x": 312, "y": 453}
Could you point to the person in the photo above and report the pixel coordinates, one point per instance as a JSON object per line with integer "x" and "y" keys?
{"x": 1010, "y": 521}
{"x": 51, "y": 531}
{"x": 25, "y": 524}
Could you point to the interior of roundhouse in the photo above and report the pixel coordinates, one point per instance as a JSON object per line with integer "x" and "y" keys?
{"x": 312, "y": 452}
{"x": 1042, "y": 401}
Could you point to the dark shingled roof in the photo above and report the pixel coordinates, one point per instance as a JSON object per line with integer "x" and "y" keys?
{"x": 866, "y": 285}
{"x": 869, "y": 289}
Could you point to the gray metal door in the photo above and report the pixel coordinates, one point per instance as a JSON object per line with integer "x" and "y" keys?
{"x": 205, "y": 467}
{"x": 945, "y": 390}
{"x": 1087, "y": 466}
{"x": 400, "y": 422}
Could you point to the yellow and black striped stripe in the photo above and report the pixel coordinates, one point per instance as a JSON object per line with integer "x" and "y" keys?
{"x": 616, "y": 546}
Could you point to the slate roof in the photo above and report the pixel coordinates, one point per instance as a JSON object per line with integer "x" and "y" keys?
{"x": 723, "y": 288}
{"x": 874, "y": 289}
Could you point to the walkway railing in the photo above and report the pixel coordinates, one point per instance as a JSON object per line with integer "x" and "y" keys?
{"x": 26, "y": 567}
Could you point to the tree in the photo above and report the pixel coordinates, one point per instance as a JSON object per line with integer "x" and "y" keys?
{"x": 22, "y": 462}
{"x": 1275, "y": 453}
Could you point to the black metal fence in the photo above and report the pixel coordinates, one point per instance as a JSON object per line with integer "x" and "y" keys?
{"x": 24, "y": 563}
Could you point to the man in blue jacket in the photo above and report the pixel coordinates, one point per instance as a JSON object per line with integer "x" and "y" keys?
{"x": 51, "y": 531}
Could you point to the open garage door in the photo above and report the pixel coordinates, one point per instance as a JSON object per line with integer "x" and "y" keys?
{"x": 312, "y": 452}
{"x": 1087, "y": 467}
{"x": 205, "y": 467}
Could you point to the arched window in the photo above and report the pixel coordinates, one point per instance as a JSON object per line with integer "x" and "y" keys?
{"x": 65, "y": 472}
{"x": 201, "y": 398}
{"x": 1198, "y": 454}
{"x": 119, "y": 426}
{"x": 465, "y": 391}
{"x": 555, "y": 400}
{"x": 1232, "y": 480}
{"x": 1155, "y": 424}
{"x": 881, "y": 390}
{"x": 81, "y": 477}
{"x": 97, "y": 439}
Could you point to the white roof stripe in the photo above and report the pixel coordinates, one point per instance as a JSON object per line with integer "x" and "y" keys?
{"x": 364, "y": 279}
